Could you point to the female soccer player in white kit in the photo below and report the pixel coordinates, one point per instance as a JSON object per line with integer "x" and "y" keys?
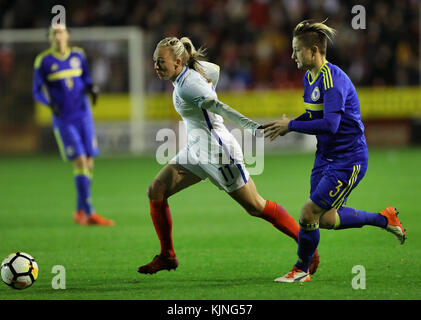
{"x": 211, "y": 151}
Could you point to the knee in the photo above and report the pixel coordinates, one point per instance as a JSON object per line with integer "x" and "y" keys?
{"x": 156, "y": 190}
{"x": 306, "y": 216}
{"x": 310, "y": 213}
{"x": 81, "y": 163}
{"x": 90, "y": 164}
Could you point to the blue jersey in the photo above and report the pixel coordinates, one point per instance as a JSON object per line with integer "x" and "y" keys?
{"x": 332, "y": 114}
{"x": 65, "y": 79}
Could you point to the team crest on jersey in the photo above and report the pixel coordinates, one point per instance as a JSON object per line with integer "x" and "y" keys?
{"x": 74, "y": 62}
{"x": 315, "y": 95}
{"x": 54, "y": 67}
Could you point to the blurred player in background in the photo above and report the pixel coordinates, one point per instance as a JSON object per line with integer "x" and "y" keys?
{"x": 61, "y": 81}
{"x": 333, "y": 115}
{"x": 195, "y": 99}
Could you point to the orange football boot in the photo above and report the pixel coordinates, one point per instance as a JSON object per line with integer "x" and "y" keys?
{"x": 393, "y": 224}
{"x": 96, "y": 219}
{"x": 80, "y": 217}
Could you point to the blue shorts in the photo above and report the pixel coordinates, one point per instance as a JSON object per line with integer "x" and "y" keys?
{"x": 332, "y": 182}
{"x": 76, "y": 138}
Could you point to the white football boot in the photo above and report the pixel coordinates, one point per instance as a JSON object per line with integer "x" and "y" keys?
{"x": 295, "y": 275}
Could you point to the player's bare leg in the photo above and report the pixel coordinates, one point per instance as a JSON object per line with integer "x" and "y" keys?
{"x": 170, "y": 180}
{"x": 83, "y": 167}
{"x": 248, "y": 197}
{"x": 328, "y": 219}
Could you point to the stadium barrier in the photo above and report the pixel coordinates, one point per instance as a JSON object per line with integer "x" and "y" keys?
{"x": 376, "y": 103}
{"x": 391, "y": 117}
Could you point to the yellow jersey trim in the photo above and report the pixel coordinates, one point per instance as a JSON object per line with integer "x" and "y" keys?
{"x": 60, "y": 144}
{"x": 327, "y": 77}
{"x": 317, "y": 75}
{"x": 57, "y": 55}
{"x": 314, "y": 106}
{"x": 64, "y": 74}
{"x": 40, "y": 57}
{"x": 43, "y": 54}
{"x": 339, "y": 201}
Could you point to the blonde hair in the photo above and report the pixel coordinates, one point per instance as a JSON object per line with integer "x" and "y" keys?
{"x": 184, "y": 49}
{"x": 314, "y": 33}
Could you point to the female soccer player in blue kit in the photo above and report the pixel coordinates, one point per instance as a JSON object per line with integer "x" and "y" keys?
{"x": 64, "y": 72}
{"x": 333, "y": 115}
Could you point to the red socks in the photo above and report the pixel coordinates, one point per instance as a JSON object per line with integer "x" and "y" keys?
{"x": 281, "y": 219}
{"x": 161, "y": 218}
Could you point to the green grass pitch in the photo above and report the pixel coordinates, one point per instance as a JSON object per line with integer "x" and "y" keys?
{"x": 223, "y": 252}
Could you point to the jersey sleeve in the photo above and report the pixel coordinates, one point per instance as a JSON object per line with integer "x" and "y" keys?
{"x": 204, "y": 97}
{"x": 304, "y": 117}
{"x": 329, "y": 124}
{"x": 86, "y": 74}
{"x": 38, "y": 82}
{"x": 333, "y": 95}
{"x": 195, "y": 92}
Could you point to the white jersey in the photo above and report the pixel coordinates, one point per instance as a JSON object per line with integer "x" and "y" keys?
{"x": 211, "y": 149}
{"x": 190, "y": 88}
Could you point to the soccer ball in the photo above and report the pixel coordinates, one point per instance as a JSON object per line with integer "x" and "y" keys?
{"x": 19, "y": 270}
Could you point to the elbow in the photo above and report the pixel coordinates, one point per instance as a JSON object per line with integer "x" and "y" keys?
{"x": 332, "y": 123}
{"x": 333, "y": 127}
{"x": 209, "y": 103}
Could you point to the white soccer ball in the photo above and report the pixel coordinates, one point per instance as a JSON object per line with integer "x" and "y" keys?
{"x": 19, "y": 270}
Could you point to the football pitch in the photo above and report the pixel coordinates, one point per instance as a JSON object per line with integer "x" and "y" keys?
{"x": 224, "y": 253}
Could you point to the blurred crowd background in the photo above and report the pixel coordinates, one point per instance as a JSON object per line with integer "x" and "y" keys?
{"x": 251, "y": 39}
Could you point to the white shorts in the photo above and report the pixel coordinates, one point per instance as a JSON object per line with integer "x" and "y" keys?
{"x": 228, "y": 175}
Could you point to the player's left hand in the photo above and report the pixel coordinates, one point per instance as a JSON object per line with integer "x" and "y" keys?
{"x": 93, "y": 90}
{"x": 276, "y": 128}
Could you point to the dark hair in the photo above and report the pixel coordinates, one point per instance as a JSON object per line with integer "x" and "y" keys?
{"x": 313, "y": 33}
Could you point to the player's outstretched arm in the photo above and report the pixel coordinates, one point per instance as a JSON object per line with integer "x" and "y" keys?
{"x": 329, "y": 124}
{"x": 276, "y": 128}
{"x": 218, "y": 107}
{"x": 203, "y": 96}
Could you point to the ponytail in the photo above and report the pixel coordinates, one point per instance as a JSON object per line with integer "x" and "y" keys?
{"x": 194, "y": 56}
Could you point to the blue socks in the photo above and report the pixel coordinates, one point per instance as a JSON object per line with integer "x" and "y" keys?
{"x": 83, "y": 188}
{"x": 308, "y": 240}
{"x": 353, "y": 218}
{"x": 309, "y": 234}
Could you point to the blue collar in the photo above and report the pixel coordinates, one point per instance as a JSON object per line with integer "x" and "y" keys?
{"x": 183, "y": 71}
